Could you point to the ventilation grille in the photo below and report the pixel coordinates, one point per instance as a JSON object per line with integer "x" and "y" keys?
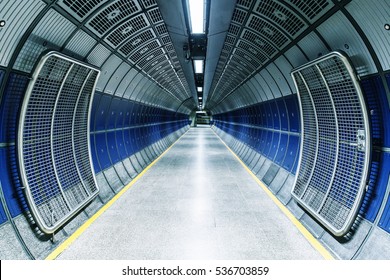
{"x": 144, "y": 50}
{"x": 268, "y": 31}
{"x": 259, "y": 42}
{"x": 112, "y": 15}
{"x": 53, "y": 144}
{"x": 80, "y": 8}
{"x": 312, "y": 9}
{"x": 282, "y": 16}
{"x": 335, "y": 141}
{"x": 137, "y": 41}
{"x": 126, "y": 30}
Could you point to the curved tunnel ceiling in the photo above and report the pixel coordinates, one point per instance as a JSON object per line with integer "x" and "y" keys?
{"x": 252, "y": 45}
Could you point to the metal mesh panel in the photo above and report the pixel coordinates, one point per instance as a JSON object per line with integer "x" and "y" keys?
{"x": 137, "y": 41}
{"x": 155, "y": 15}
{"x": 239, "y": 16}
{"x": 53, "y": 147}
{"x": 259, "y": 42}
{"x": 80, "y": 8}
{"x": 112, "y": 15}
{"x": 312, "y": 9}
{"x": 281, "y": 15}
{"x": 128, "y": 29}
{"x": 268, "y": 31}
{"x": 335, "y": 155}
{"x": 137, "y": 55}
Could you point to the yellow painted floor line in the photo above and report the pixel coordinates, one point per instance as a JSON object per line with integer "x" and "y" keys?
{"x": 62, "y": 247}
{"x": 312, "y": 240}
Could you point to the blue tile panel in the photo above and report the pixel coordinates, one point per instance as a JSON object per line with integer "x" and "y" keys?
{"x": 120, "y": 128}
{"x": 271, "y": 128}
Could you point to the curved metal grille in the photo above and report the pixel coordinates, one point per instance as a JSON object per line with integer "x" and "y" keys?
{"x": 335, "y": 142}
{"x": 53, "y": 143}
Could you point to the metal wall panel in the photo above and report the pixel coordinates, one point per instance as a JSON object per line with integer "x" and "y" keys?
{"x": 99, "y": 55}
{"x": 371, "y": 17}
{"x": 264, "y": 83}
{"x": 120, "y": 91}
{"x": 108, "y": 68}
{"x": 115, "y": 79}
{"x": 285, "y": 67}
{"x": 348, "y": 40}
{"x": 81, "y": 49}
{"x": 312, "y": 9}
{"x": 336, "y": 147}
{"x": 18, "y": 15}
{"x": 279, "y": 79}
{"x": 54, "y": 150}
{"x": 51, "y": 33}
{"x": 295, "y": 56}
{"x": 313, "y": 46}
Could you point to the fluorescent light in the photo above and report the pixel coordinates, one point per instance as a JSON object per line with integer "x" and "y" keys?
{"x": 200, "y": 97}
{"x": 196, "y": 8}
{"x": 198, "y": 65}
{"x": 199, "y": 88}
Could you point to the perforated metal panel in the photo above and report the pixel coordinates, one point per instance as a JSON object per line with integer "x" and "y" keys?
{"x": 112, "y": 15}
{"x": 53, "y": 141}
{"x": 80, "y": 9}
{"x": 51, "y": 32}
{"x": 335, "y": 155}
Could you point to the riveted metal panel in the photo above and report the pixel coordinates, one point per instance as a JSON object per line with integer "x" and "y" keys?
{"x": 125, "y": 82}
{"x": 53, "y": 140}
{"x": 107, "y": 70}
{"x": 312, "y": 9}
{"x": 371, "y": 17}
{"x": 282, "y": 16}
{"x": 17, "y": 17}
{"x": 116, "y": 77}
{"x": 81, "y": 49}
{"x": 285, "y": 67}
{"x": 348, "y": 40}
{"x": 335, "y": 139}
{"x": 51, "y": 32}
{"x": 129, "y": 93}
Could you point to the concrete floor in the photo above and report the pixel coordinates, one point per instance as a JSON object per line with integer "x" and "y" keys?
{"x": 196, "y": 202}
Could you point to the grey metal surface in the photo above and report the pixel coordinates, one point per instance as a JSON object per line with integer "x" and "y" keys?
{"x": 371, "y": 15}
{"x": 53, "y": 149}
{"x": 18, "y": 16}
{"x": 348, "y": 40}
{"x": 50, "y": 34}
{"x": 221, "y": 213}
{"x": 336, "y": 148}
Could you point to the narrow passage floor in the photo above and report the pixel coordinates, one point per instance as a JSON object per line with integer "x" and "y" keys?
{"x": 196, "y": 202}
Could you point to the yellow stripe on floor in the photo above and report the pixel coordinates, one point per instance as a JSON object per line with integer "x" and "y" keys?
{"x": 53, "y": 255}
{"x": 313, "y": 241}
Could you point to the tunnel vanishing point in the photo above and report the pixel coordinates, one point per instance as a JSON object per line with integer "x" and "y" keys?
{"x": 93, "y": 92}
